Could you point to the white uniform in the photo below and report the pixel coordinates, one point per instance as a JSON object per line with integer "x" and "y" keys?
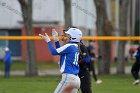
{"x": 68, "y": 82}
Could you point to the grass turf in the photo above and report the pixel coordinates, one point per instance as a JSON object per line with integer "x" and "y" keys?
{"x": 47, "y": 84}
{"x": 21, "y": 65}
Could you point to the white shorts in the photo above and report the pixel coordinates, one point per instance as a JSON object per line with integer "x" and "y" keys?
{"x": 69, "y": 84}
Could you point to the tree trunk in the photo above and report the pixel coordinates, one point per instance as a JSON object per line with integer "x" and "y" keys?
{"x": 104, "y": 28}
{"x": 122, "y": 32}
{"x": 67, "y": 13}
{"x": 26, "y": 7}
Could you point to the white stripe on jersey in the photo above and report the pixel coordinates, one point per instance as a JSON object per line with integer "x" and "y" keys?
{"x": 63, "y": 66}
{"x": 64, "y": 47}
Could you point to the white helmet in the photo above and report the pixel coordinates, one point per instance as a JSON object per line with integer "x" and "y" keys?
{"x": 6, "y": 49}
{"x": 75, "y": 34}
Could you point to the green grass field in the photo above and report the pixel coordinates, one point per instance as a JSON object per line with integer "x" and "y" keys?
{"x": 47, "y": 84}
{"x": 21, "y": 65}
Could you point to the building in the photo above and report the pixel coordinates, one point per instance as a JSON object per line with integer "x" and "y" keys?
{"x": 47, "y": 14}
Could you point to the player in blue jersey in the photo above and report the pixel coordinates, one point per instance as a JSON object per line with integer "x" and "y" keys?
{"x": 69, "y": 55}
{"x": 7, "y": 62}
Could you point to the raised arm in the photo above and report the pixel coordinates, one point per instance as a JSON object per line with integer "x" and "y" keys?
{"x": 51, "y": 47}
{"x": 55, "y": 37}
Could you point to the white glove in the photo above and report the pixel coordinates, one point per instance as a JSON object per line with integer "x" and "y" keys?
{"x": 45, "y": 37}
{"x": 55, "y": 35}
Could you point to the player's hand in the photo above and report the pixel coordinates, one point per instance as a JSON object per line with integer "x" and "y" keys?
{"x": 45, "y": 37}
{"x": 55, "y": 35}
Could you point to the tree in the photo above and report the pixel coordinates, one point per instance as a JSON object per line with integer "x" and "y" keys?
{"x": 26, "y": 7}
{"x": 122, "y": 32}
{"x": 137, "y": 20}
{"x": 104, "y": 28}
{"x": 67, "y": 13}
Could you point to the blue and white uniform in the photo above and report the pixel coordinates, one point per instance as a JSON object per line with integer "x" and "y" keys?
{"x": 69, "y": 66}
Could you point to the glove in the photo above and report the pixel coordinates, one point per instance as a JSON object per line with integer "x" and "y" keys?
{"x": 45, "y": 37}
{"x": 55, "y": 35}
{"x": 87, "y": 59}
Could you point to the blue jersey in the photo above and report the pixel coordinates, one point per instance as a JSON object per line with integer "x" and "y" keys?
{"x": 7, "y": 57}
{"x": 137, "y": 55}
{"x": 69, "y": 55}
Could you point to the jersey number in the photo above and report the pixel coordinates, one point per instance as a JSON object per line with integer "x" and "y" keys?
{"x": 76, "y": 58}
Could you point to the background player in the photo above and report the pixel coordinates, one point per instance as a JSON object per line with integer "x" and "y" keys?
{"x": 7, "y": 62}
{"x": 136, "y": 67}
{"x": 91, "y": 52}
{"x": 84, "y": 74}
